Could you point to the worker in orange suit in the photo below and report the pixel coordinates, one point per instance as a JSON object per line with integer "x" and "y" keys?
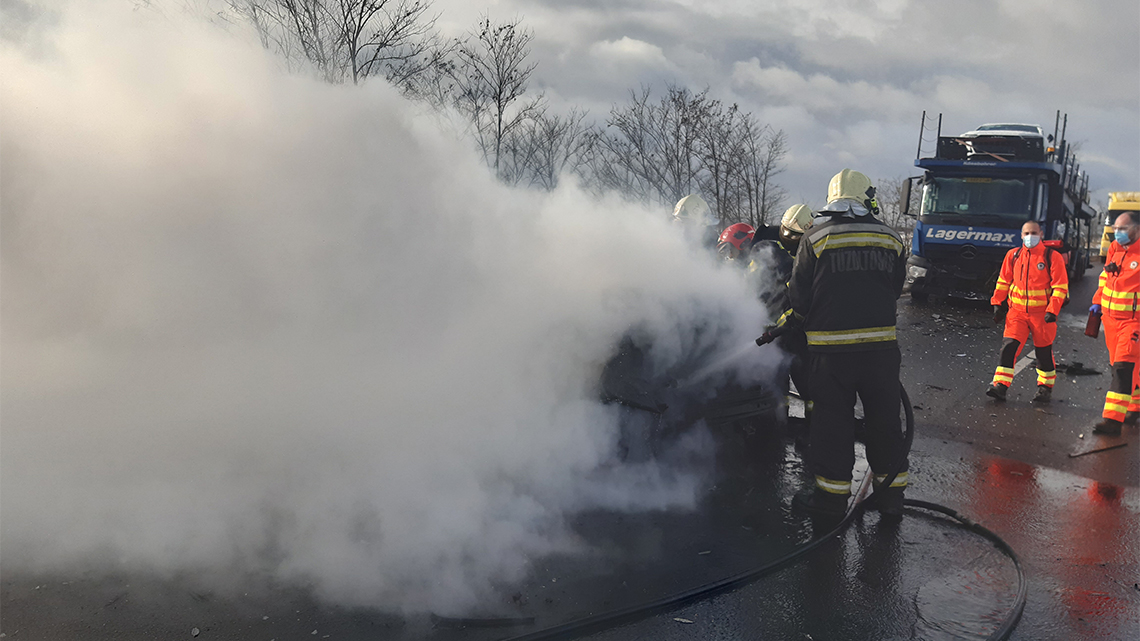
{"x": 1116, "y": 299}
{"x": 1031, "y": 288}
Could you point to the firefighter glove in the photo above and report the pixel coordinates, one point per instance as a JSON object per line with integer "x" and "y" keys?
{"x": 1095, "y": 309}
{"x": 765, "y": 338}
{"x": 1050, "y": 317}
{"x": 999, "y": 313}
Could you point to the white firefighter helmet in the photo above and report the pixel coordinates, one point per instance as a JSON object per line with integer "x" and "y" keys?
{"x": 694, "y": 210}
{"x": 852, "y": 185}
{"x": 796, "y": 221}
{"x": 797, "y": 218}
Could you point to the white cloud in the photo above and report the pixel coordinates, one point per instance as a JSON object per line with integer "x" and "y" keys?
{"x": 818, "y": 92}
{"x": 628, "y": 51}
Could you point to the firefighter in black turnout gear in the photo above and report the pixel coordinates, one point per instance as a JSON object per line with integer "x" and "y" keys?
{"x": 847, "y": 278}
{"x": 789, "y": 336}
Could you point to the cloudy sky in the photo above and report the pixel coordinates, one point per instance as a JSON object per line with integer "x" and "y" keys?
{"x": 848, "y": 80}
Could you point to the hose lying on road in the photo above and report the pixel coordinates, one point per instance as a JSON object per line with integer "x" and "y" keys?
{"x": 623, "y": 616}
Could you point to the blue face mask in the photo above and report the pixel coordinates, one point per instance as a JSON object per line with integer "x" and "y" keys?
{"x": 1121, "y": 237}
{"x": 1031, "y": 240}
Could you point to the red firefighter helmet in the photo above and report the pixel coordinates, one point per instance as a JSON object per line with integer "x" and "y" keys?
{"x": 737, "y": 235}
{"x": 735, "y": 240}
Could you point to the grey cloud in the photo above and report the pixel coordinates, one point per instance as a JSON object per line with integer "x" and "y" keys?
{"x": 837, "y": 76}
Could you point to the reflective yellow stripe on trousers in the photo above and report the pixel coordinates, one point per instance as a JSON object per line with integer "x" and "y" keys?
{"x": 832, "y": 486}
{"x": 852, "y": 336}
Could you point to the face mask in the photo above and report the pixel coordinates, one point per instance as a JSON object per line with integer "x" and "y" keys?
{"x": 1031, "y": 240}
{"x": 1121, "y": 236}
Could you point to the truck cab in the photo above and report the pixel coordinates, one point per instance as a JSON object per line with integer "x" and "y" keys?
{"x": 978, "y": 188}
{"x": 1118, "y": 203}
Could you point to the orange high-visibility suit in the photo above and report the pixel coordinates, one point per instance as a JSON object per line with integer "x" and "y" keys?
{"x": 1034, "y": 282}
{"x": 1118, "y": 296}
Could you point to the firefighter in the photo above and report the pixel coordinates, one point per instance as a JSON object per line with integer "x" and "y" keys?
{"x": 736, "y": 243}
{"x": 1116, "y": 299}
{"x": 1031, "y": 288}
{"x": 781, "y": 254}
{"x": 788, "y": 336}
{"x": 846, "y": 280}
{"x": 698, "y": 221}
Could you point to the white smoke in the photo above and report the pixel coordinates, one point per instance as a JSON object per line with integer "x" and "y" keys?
{"x": 256, "y": 323}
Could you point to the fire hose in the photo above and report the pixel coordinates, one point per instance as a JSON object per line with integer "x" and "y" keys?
{"x": 606, "y": 620}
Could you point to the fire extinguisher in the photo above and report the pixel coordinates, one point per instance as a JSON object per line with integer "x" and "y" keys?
{"x": 1092, "y": 327}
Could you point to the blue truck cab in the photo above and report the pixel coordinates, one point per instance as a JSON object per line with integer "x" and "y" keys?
{"x": 977, "y": 190}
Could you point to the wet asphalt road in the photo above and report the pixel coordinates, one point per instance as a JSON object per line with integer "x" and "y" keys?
{"x": 950, "y": 350}
{"x": 1073, "y": 522}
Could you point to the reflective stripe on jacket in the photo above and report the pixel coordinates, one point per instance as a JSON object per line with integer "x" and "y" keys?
{"x": 1032, "y": 280}
{"x": 847, "y": 277}
{"x": 1119, "y": 291}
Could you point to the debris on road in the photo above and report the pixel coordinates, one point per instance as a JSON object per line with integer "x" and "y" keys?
{"x": 460, "y": 623}
{"x": 195, "y": 632}
{"x": 680, "y": 620}
{"x": 1098, "y": 450}
{"x": 1076, "y": 368}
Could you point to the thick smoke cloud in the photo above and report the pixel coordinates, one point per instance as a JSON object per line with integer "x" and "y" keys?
{"x": 255, "y": 324}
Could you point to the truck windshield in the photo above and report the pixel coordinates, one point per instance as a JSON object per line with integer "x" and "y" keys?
{"x": 1008, "y": 197}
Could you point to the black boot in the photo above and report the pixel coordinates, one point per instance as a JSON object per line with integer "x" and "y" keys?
{"x": 818, "y": 502}
{"x": 1043, "y": 395}
{"x": 1131, "y": 418}
{"x": 998, "y": 391}
{"x": 888, "y": 501}
{"x": 1108, "y": 427}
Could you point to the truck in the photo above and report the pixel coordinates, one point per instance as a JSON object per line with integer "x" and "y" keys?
{"x": 977, "y": 190}
{"x": 1118, "y": 203}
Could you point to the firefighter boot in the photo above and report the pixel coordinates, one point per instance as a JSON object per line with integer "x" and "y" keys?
{"x": 887, "y": 500}
{"x": 1044, "y": 394}
{"x": 820, "y": 503}
{"x": 1108, "y": 427}
{"x": 1131, "y": 418}
{"x": 998, "y": 391}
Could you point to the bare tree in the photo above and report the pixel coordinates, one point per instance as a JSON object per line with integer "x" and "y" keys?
{"x": 351, "y": 39}
{"x": 491, "y": 78}
{"x": 769, "y": 164}
{"x": 659, "y": 151}
{"x": 655, "y": 151}
{"x": 561, "y": 144}
{"x": 679, "y": 117}
{"x": 750, "y": 135}
{"x": 889, "y": 193}
{"x": 651, "y": 149}
{"x": 719, "y": 157}
{"x": 629, "y": 160}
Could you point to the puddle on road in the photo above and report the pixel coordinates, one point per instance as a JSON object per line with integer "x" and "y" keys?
{"x": 968, "y": 604}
